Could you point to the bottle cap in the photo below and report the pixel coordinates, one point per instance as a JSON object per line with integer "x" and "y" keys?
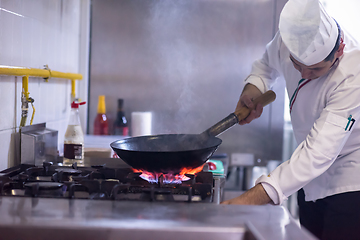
{"x": 76, "y": 105}
{"x": 101, "y": 105}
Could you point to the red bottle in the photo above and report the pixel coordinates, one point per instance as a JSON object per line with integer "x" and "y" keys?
{"x": 101, "y": 122}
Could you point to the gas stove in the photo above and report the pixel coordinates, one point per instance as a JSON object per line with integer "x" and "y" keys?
{"x": 107, "y": 199}
{"x": 110, "y": 180}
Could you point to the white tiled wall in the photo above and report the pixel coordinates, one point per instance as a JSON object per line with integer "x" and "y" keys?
{"x": 34, "y": 33}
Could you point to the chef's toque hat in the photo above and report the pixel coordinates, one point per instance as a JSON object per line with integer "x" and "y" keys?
{"x": 307, "y": 30}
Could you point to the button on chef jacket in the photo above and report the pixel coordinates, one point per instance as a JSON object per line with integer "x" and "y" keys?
{"x": 327, "y": 159}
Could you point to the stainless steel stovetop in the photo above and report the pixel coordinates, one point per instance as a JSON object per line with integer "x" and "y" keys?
{"x": 104, "y": 182}
{"x": 34, "y": 216}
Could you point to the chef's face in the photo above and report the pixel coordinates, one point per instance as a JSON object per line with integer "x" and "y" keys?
{"x": 313, "y": 71}
{"x": 319, "y": 69}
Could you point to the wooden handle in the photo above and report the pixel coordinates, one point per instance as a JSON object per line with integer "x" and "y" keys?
{"x": 265, "y": 99}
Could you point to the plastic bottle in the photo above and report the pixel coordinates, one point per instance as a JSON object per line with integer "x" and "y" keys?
{"x": 120, "y": 124}
{"x": 74, "y": 138}
{"x": 101, "y": 122}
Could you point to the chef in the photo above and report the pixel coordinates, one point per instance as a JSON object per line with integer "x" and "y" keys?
{"x": 320, "y": 63}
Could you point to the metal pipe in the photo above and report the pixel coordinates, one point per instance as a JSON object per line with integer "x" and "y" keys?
{"x": 217, "y": 190}
{"x": 25, "y": 86}
{"x": 72, "y": 90}
{"x": 45, "y": 73}
{"x": 35, "y": 72}
{"x": 24, "y": 100}
{"x": 24, "y": 110}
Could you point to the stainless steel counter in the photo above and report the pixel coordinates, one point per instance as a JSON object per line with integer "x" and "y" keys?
{"x": 45, "y": 218}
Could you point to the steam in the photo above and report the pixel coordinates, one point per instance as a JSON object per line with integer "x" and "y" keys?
{"x": 176, "y": 57}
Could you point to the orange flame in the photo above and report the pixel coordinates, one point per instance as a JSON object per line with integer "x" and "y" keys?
{"x": 169, "y": 177}
{"x": 191, "y": 170}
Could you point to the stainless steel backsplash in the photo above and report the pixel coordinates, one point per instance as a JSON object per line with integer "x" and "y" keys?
{"x": 185, "y": 61}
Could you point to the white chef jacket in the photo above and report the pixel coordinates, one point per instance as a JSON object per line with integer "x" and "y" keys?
{"x": 327, "y": 159}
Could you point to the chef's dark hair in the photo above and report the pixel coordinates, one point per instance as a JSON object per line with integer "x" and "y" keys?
{"x": 330, "y": 57}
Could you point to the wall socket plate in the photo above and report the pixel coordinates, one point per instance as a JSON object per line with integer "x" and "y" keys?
{"x": 242, "y": 159}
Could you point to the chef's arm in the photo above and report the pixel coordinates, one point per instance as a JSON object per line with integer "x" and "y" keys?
{"x": 255, "y": 196}
{"x": 249, "y": 92}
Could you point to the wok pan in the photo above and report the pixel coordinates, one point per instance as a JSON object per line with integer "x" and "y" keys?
{"x": 173, "y": 152}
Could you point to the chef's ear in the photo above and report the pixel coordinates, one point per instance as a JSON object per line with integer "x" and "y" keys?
{"x": 340, "y": 51}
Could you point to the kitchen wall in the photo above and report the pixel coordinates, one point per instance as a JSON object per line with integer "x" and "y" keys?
{"x": 185, "y": 61}
{"x": 32, "y": 34}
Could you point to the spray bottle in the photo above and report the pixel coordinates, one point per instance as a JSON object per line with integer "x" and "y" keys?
{"x": 74, "y": 138}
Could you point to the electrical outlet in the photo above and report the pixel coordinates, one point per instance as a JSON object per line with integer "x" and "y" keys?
{"x": 242, "y": 159}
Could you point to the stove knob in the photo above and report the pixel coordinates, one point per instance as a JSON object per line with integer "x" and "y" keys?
{"x": 212, "y": 166}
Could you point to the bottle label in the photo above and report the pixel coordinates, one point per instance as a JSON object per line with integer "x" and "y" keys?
{"x": 73, "y": 151}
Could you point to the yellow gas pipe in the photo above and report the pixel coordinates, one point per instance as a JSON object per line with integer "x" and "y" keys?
{"x": 25, "y": 86}
{"x": 72, "y": 90}
{"x": 34, "y": 72}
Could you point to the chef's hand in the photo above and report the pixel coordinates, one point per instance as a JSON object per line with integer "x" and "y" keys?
{"x": 255, "y": 196}
{"x": 250, "y": 92}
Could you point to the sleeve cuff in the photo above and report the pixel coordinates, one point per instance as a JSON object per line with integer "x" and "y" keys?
{"x": 272, "y": 189}
{"x": 271, "y": 192}
{"x": 256, "y": 81}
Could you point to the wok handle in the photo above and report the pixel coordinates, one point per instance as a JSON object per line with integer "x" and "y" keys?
{"x": 235, "y": 117}
{"x": 264, "y": 99}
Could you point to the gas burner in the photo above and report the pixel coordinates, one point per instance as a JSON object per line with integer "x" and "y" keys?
{"x": 35, "y": 174}
{"x": 66, "y": 174}
{"x": 153, "y": 194}
{"x": 45, "y": 189}
{"x": 68, "y": 171}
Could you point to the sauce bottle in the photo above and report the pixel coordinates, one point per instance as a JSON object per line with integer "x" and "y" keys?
{"x": 120, "y": 124}
{"x": 74, "y": 138}
{"x": 101, "y": 122}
